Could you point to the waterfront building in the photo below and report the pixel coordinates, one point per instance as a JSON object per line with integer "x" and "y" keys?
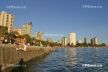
{"x": 18, "y": 30}
{"x": 95, "y": 41}
{"x": 27, "y": 28}
{"x": 64, "y": 41}
{"x": 7, "y": 20}
{"x": 92, "y": 42}
{"x": 39, "y": 36}
{"x": 49, "y": 39}
{"x": 72, "y": 38}
{"x": 85, "y": 40}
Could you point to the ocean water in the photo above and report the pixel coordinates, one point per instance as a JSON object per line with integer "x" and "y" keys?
{"x": 73, "y": 60}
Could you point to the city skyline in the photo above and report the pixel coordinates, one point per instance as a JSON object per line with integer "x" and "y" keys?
{"x": 61, "y": 17}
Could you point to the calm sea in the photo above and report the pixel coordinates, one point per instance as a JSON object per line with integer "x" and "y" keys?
{"x": 73, "y": 60}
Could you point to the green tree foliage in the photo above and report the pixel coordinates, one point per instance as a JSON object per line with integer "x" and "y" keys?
{"x": 103, "y": 44}
{"x": 3, "y": 30}
{"x": 45, "y": 43}
{"x": 28, "y": 38}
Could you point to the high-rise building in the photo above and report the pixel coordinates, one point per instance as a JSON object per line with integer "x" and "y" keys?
{"x": 72, "y": 38}
{"x": 7, "y": 20}
{"x": 64, "y": 41}
{"x": 94, "y": 41}
{"x": 85, "y": 40}
{"x": 27, "y": 28}
{"x": 39, "y": 36}
{"x": 49, "y": 39}
{"x": 18, "y": 30}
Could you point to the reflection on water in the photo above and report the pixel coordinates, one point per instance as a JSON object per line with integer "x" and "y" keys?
{"x": 73, "y": 55}
{"x": 72, "y": 59}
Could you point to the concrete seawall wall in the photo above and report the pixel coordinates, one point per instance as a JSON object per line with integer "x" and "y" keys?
{"x": 9, "y": 56}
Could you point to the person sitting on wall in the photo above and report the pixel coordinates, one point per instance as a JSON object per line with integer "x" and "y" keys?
{"x": 20, "y": 43}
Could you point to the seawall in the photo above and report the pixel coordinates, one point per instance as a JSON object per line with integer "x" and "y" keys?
{"x": 9, "y": 56}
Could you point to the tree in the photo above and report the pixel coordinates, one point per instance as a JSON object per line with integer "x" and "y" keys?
{"x": 103, "y": 44}
{"x": 28, "y": 38}
{"x": 45, "y": 43}
{"x": 3, "y": 30}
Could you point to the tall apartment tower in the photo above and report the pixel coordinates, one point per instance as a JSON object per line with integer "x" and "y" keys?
{"x": 18, "y": 30}
{"x": 64, "y": 41}
{"x": 49, "y": 39}
{"x": 39, "y": 36}
{"x": 7, "y": 20}
{"x": 95, "y": 40}
{"x": 85, "y": 40}
{"x": 27, "y": 28}
{"x": 72, "y": 38}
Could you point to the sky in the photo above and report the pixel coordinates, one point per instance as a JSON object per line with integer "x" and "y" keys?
{"x": 88, "y": 18}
